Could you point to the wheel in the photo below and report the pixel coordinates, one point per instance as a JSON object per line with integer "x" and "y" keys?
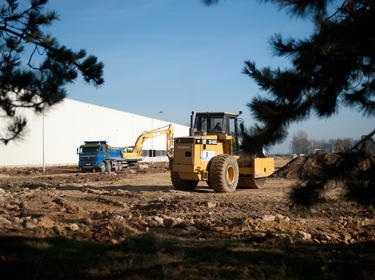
{"x": 170, "y": 166}
{"x": 183, "y": 185}
{"x": 209, "y": 180}
{"x": 209, "y": 183}
{"x": 119, "y": 164}
{"x": 224, "y": 173}
{"x": 108, "y": 166}
{"x": 101, "y": 167}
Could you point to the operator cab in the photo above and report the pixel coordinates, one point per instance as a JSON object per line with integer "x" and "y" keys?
{"x": 92, "y": 147}
{"x": 216, "y": 123}
{"x": 129, "y": 149}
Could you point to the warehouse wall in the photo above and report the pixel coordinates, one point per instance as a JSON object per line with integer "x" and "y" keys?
{"x": 68, "y": 124}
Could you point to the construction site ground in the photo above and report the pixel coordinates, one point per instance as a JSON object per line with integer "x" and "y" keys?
{"x": 66, "y": 224}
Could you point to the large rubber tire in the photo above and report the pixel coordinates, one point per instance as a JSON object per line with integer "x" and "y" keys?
{"x": 224, "y": 173}
{"x": 182, "y": 185}
{"x": 209, "y": 180}
{"x": 119, "y": 164}
{"x": 102, "y": 168}
{"x": 108, "y": 167}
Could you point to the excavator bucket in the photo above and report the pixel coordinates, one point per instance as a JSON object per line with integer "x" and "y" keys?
{"x": 249, "y": 182}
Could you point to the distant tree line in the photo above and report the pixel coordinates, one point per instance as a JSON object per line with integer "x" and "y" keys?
{"x": 301, "y": 144}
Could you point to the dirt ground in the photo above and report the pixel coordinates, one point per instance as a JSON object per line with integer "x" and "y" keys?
{"x": 111, "y": 208}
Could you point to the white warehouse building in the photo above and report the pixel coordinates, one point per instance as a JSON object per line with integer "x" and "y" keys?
{"x": 53, "y": 139}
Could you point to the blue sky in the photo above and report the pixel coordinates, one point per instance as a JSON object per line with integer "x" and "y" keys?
{"x": 179, "y": 56}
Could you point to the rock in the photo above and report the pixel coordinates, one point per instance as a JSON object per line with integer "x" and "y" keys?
{"x": 159, "y": 220}
{"x": 268, "y": 218}
{"x": 2, "y": 192}
{"x": 346, "y": 237}
{"x": 183, "y": 224}
{"x": 73, "y": 227}
{"x": 218, "y": 228}
{"x": 153, "y": 223}
{"x": 4, "y": 221}
{"x": 141, "y": 165}
{"x": 303, "y": 235}
{"x": 210, "y": 204}
{"x": 169, "y": 222}
{"x": 334, "y": 235}
{"x": 279, "y": 217}
{"x": 87, "y": 221}
{"x": 326, "y": 237}
{"x": 58, "y": 230}
{"x": 192, "y": 229}
{"x": 29, "y": 225}
{"x": 172, "y": 222}
{"x": 46, "y": 222}
{"x": 132, "y": 171}
{"x": 118, "y": 218}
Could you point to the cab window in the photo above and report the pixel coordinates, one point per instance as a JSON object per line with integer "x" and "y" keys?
{"x": 231, "y": 126}
{"x": 215, "y": 124}
{"x": 201, "y": 123}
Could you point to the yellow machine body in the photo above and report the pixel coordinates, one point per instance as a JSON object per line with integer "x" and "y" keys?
{"x": 193, "y": 156}
{"x": 191, "y": 159}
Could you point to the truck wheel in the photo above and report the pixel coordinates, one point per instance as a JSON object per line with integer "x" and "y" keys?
{"x": 108, "y": 166}
{"x": 182, "y": 185}
{"x": 119, "y": 164}
{"x": 224, "y": 173}
{"x": 101, "y": 167}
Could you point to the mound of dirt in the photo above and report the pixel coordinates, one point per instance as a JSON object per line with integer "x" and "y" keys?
{"x": 298, "y": 167}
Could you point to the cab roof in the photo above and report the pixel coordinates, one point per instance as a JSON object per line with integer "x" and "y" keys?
{"x": 217, "y": 113}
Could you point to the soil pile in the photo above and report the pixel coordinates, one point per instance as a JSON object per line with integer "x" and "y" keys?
{"x": 303, "y": 166}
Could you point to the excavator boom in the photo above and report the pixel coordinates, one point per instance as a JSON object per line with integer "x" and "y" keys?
{"x": 146, "y": 135}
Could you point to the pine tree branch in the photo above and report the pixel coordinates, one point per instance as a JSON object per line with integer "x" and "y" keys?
{"x": 361, "y": 145}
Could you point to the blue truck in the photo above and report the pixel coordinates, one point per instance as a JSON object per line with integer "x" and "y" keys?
{"x": 98, "y": 155}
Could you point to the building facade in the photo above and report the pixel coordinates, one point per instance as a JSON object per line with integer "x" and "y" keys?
{"x": 52, "y": 138}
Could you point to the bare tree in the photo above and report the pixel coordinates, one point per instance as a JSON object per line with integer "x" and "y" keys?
{"x": 300, "y": 143}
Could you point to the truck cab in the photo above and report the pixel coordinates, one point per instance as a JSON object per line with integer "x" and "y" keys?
{"x": 98, "y": 155}
{"x": 92, "y": 155}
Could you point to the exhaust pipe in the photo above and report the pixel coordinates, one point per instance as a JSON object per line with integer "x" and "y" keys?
{"x": 191, "y": 123}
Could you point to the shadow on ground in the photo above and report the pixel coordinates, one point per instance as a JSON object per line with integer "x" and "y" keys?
{"x": 155, "y": 257}
{"x": 130, "y": 188}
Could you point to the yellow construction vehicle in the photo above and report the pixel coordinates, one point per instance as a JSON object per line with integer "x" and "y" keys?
{"x": 134, "y": 153}
{"x": 212, "y": 153}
